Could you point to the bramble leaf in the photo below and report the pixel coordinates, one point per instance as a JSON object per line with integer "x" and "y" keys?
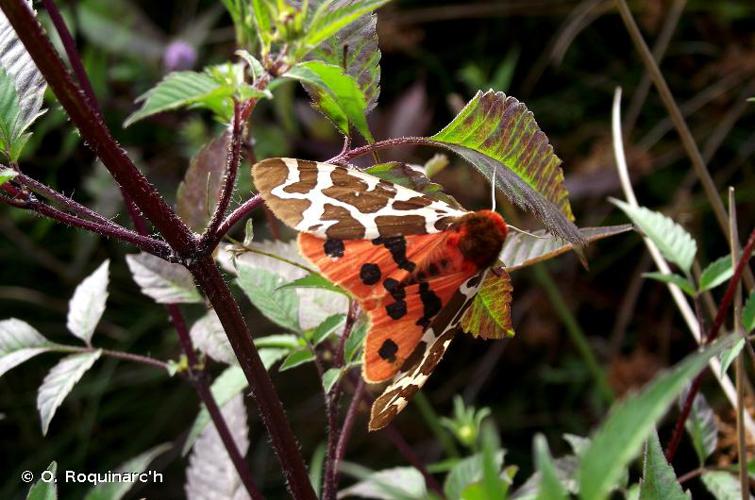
{"x": 22, "y": 88}
{"x": 701, "y": 426}
{"x": 717, "y": 272}
{"x": 263, "y": 288}
{"x": 497, "y": 133}
{"x": 672, "y": 240}
{"x": 209, "y": 337}
{"x": 723, "y": 485}
{"x": 164, "y": 282}
{"x": 296, "y": 358}
{"x": 332, "y": 16}
{"x": 314, "y": 280}
{"x": 327, "y": 327}
{"x": 19, "y": 341}
{"x": 622, "y": 433}
{"x": 59, "y": 382}
{"x": 176, "y": 90}
{"x": 489, "y": 315}
{"x": 658, "y": 477}
{"x": 680, "y": 281}
{"x": 335, "y": 94}
{"x": 523, "y": 249}
{"x": 412, "y": 177}
{"x": 88, "y": 303}
{"x": 211, "y": 473}
{"x": 200, "y": 189}
{"x": 117, "y": 489}
{"x": 355, "y": 49}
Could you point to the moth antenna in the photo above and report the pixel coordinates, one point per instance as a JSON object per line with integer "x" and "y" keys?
{"x": 511, "y": 226}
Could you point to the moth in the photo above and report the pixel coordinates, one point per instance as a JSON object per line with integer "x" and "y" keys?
{"x": 414, "y": 263}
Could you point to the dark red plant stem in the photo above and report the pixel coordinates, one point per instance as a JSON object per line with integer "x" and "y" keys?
{"x": 93, "y": 130}
{"x": 270, "y": 408}
{"x": 231, "y": 168}
{"x": 234, "y": 217}
{"x": 73, "y": 55}
{"x": 69, "y": 204}
{"x": 202, "y": 386}
{"x": 348, "y": 421}
{"x": 330, "y": 487}
{"x": 346, "y": 156}
{"x": 723, "y": 309}
{"x": 145, "y": 243}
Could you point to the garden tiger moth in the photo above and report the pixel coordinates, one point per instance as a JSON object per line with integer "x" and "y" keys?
{"x": 413, "y": 262}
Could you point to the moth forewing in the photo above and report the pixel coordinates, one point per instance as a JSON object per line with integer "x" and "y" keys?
{"x": 332, "y": 201}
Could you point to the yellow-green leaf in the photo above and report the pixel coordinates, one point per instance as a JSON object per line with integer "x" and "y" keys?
{"x": 489, "y": 315}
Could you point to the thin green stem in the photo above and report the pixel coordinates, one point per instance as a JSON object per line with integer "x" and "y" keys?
{"x": 577, "y": 336}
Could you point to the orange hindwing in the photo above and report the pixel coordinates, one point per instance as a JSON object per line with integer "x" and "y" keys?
{"x": 402, "y": 283}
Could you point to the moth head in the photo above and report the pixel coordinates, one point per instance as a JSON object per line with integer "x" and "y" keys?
{"x": 480, "y": 237}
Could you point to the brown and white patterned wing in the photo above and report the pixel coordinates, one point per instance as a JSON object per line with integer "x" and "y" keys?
{"x": 425, "y": 358}
{"x": 336, "y": 202}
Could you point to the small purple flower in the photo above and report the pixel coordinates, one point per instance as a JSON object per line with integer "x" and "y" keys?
{"x": 179, "y": 55}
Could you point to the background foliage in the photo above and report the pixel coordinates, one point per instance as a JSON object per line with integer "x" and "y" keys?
{"x": 563, "y": 58}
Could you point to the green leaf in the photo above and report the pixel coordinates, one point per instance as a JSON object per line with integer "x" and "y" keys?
{"x": 137, "y": 465}
{"x": 465, "y": 472}
{"x": 178, "y": 89}
{"x": 335, "y": 94}
{"x": 622, "y": 433}
{"x": 7, "y": 174}
{"x": 674, "y": 279}
{"x": 389, "y": 484}
{"x": 263, "y": 11}
{"x": 164, "y": 282}
{"x": 296, "y": 358}
{"x": 88, "y": 303}
{"x": 658, "y": 478}
{"x": 331, "y": 17}
{"x": 672, "y": 240}
{"x": 314, "y": 280}
{"x": 330, "y": 377}
{"x": 59, "y": 382}
{"x": 728, "y": 356}
{"x": 316, "y": 468}
{"x": 489, "y": 315}
{"x": 355, "y": 48}
{"x": 208, "y": 336}
{"x": 412, "y": 177}
{"x": 280, "y": 306}
{"x": 716, "y": 273}
{"x": 354, "y": 341}
{"x": 45, "y": 490}
{"x": 525, "y": 249}
{"x": 496, "y": 133}
{"x": 248, "y": 232}
{"x": 19, "y": 341}
{"x": 22, "y": 89}
{"x": 550, "y": 485}
{"x": 200, "y": 189}
{"x": 748, "y": 313}
{"x": 280, "y": 341}
{"x": 701, "y": 426}
{"x": 327, "y": 327}
{"x": 723, "y": 485}
{"x": 227, "y": 385}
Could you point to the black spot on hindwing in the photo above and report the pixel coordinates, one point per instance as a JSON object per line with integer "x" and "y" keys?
{"x": 396, "y": 310}
{"x": 388, "y": 350}
{"x": 397, "y": 246}
{"x": 431, "y": 304}
{"x": 369, "y": 273}
{"x": 333, "y": 248}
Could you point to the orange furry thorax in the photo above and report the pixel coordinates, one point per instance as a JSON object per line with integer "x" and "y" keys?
{"x": 479, "y": 236}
